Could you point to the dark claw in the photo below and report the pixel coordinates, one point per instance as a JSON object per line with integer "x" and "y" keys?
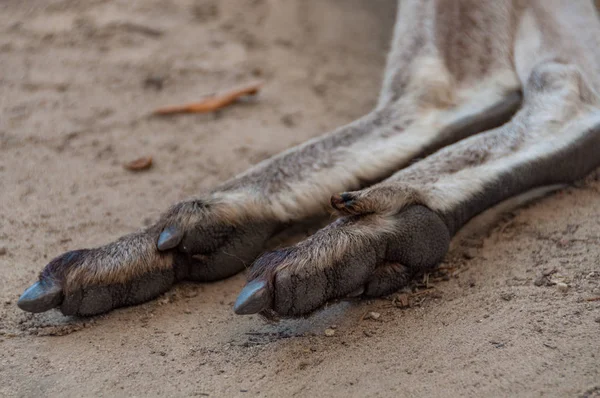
{"x": 254, "y": 298}
{"x": 41, "y": 296}
{"x": 169, "y": 238}
{"x": 357, "y": 293}
{"x": 342, "y": 200}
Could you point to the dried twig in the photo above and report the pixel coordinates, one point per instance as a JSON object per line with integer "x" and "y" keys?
{"x": 422, "y": 292}
{"x": 593, "y": 298}
{"x": 213, "y": 102}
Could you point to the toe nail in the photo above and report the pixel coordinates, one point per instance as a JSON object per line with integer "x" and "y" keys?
{"x": 41, "y": 296}
{"x": 357, "y": 293}
{"x": 253, "y": 298}
{"x": 169, "y": 238}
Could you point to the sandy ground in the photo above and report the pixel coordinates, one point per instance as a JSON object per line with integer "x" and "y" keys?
{"x": 77, "y": 82}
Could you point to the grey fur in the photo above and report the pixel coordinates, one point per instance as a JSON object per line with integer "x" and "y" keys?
{"x": 416, "y": 239}
{"x": 455, "y": 69}
{"x": 97, "y": 299}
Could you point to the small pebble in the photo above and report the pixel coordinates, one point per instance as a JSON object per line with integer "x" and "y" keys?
{"x": 329, "y": 332}
{"x": 155, "y": 82}
{"x": 288, "y": 120}
{"x": 540, "y": 280}
{"x": 562, "y": 287}
{"x": 469, "y": 254}
{"x": 507, "y": 296}
{"x": 374, "y": 315}
{"x": 3, "y": 251}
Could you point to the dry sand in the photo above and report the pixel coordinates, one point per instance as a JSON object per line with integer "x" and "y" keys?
{"x": 77, "y": 82}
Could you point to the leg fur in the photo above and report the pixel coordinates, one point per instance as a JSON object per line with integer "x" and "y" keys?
{"x": 553, "y": 139}
{"x": 428, "y": 101}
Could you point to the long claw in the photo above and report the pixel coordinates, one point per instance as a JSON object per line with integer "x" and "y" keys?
{"x": 169, "y": 238}
{"x": 41, "y": 296}
{"x": 254, "y": 298}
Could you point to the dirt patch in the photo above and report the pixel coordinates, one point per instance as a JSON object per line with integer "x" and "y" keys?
{"x": 78, "y": 81}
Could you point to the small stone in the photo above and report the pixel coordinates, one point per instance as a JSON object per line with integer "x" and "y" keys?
{"x": 155, "y": 82}
{"x": 3, "y": 251}
{"x": 540, "y": 280}
{"x": 497, "y": 344}
{"x": 592, "y": 275}
{"x": 143, "y": 163}
{"x": 329, "y": 332}
{"x": 190, "y": 294}
{"x": 374, "y": 315}
{"x": 562, "y": 287}
{"x": 469, "y": 254}
{"x": 288, "y": 120}
{"x": 507, "y": 296}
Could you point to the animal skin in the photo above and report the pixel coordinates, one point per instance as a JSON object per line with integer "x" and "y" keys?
{"x": 482, "y": 100}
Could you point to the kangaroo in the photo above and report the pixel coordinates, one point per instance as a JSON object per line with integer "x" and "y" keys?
{"x": 482, "y": 100}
